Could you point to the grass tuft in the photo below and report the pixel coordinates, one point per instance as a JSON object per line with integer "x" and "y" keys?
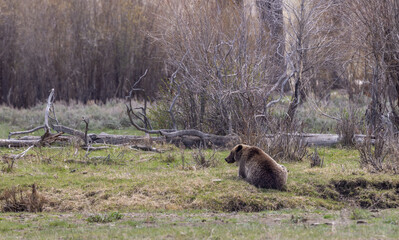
{"x": 105, "y": 218}
{"x": 358, "y": 214}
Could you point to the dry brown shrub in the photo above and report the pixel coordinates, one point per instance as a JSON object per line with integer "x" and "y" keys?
{"x": 16, "y": 200}
{"x": 203, "y": 161}
{"x": 315, "y": 160}
{"x": 348, "y": 126}
{"x": 285, "y": 144}
{"x": 9, "y": 161}
{"x": 288, "y": 147}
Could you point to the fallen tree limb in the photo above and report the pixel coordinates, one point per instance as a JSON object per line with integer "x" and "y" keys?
{"x": 46, "y": 139}
{"x": 190, "y": 141}
{"x": 49, "y": 138}
{"x": 18, "y": 143}
{"x": 122, "y": 139}
{"x": 86, "y": 140}
{"x": 22, "y": 153}
{"x": 25, "y": 132}
{"x": 94, "y": 148}
{"x": 314, "y": 139}
{"x": 70, "y": 131}
{"x": 146, "y": 148}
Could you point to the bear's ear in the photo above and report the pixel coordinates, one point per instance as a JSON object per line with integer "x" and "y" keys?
{"x": 238, "y": 148}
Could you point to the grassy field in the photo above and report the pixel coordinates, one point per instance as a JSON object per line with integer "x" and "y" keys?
{"x": 290, "y": 224}
{"x": 169, "y": 195}
{"x": 122, "y": 193}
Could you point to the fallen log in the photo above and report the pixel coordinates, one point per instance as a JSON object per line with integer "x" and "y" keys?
{"x": 186, "y": 141}
{"x": 321, "y": 140}
{"x": 122, "y": 139}
{"x": 209, "y": 141}
{"x": 103, "y": 138}
{"x": 70, "y": 131}
{"x": 314, "y": 139}
{"x": 18, "y": 143}
{"x": 146, "y": 148}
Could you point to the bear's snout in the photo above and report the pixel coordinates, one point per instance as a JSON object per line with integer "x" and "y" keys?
{"x": 230, "y": 159}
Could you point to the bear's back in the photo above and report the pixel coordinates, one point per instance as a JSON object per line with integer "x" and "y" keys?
{"x": 262, "y": 170}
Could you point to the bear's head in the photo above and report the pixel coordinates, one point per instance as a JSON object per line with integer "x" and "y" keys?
{"x": 284, "y": 168}
{"x": 235, "y": 154}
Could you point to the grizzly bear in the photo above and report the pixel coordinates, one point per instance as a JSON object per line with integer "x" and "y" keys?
{"x": 258, "y": 168}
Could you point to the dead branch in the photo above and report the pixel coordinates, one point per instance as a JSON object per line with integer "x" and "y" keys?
{"x": 46, "y": 125}
{"x": 70, "y": 131}
{"x": 49, "y": 138}
{"x": 20, "y": 155}
{"x": 172, "y": 116}
{"x": 146, "y": 148}
{"x": 86, "y": 140}
{"x": 48, "y": 108}
{"x": 90, "y": 148}
{"x": 143, "y": 115}
{"x": 17, "y": 143}
{"x": 26, "y": 132}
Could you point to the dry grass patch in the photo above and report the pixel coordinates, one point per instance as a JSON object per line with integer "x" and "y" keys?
{"x": 17, "y": 200}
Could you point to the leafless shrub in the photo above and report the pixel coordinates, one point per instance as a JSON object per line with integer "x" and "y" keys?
{"x": 287, "y": 147}
{"x": 372, "y": 156}
{"x": 315, "y": 160}
{"x": 9, "y": 161}
{"x": 16, "y": 200}
{"x": 380, "y": 154}
{"x": 225, "y": 66}
{"x": 348, "y": 125}
{"x": 286, "y": 144}
{"x": 392, "y": 161}
{"x": 203, "y": 161}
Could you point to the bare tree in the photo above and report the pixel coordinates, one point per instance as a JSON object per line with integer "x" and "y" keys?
{"x": 272, "y": 34}
{"x": 225, "y": 82}
{"x": 313, "y": 37}
{"x": 377, "y": 26}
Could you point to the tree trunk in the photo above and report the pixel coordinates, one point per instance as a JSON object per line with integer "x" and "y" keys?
{"x": 294, "y": 103}
{"x": 271, "y": 16}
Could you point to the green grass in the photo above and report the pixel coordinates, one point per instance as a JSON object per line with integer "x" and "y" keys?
{"x": 159, "y": 199}
{"x": 136, "y": 180}
{"x": 105, "y": 218}
{"x": 201, "y": 225}
{"x": 358, "y": 214}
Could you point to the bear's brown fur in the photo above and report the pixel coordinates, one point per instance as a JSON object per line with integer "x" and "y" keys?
{"x": 258, "y": 168}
